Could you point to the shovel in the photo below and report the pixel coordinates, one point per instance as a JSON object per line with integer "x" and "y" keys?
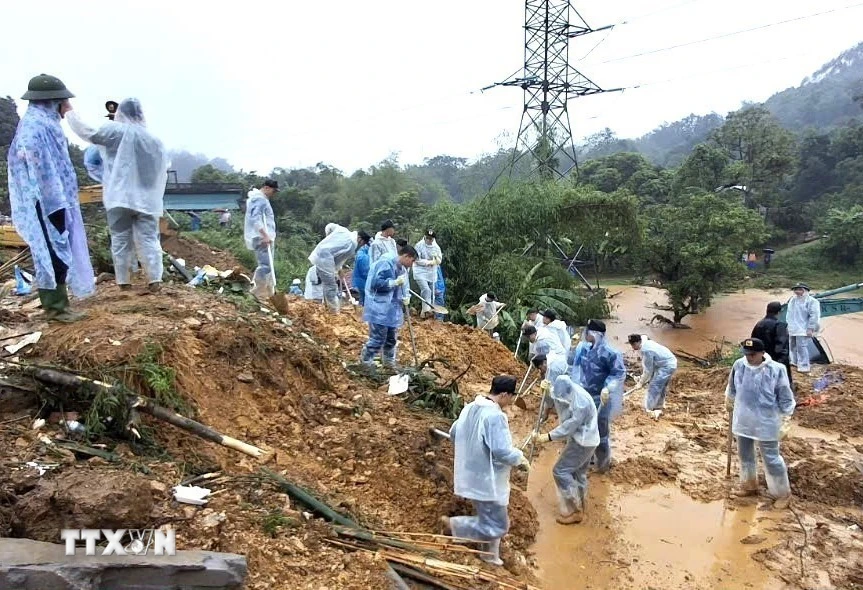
{"x": 348, "y": 291}
{"x": 411, "y": 330}
{"x": 436, "y": 308}
{"x": 278, "y": 299}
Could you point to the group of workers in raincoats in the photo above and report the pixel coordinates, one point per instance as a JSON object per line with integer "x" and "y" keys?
{"x": 380, "y": 275}
{"x": 126, "y": 158}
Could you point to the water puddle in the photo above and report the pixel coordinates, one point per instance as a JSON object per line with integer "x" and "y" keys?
{"x": 652, "y": 537}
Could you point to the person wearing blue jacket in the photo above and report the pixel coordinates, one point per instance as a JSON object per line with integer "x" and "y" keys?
{"x": 602, "y": 375}
{"x": 361, "y": 270}
{"x": 386, "y": 298}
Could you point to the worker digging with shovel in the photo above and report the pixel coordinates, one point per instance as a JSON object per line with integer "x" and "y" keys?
{"x": 260, "y": 235}
{"x": 577, "y": 427}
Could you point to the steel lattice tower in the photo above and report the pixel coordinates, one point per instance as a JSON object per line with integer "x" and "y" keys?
{"x": 549, "y": 81}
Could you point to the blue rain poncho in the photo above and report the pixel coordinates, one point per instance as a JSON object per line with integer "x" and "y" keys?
{"x": 762, "y": 396}
{"x": 259, "y": 216}
{"x": 331, "y": 253}
{"x": 424, "y": 268}
{"x": 40, "y": 171}
{"x": 361, "y": 269}
{"x": 804, "y": 313}
{"x": 602, "y": 367}
{"x": 383, "y": 302}
{"x": 484, "y": 454}
{"x": 135, "y": 162}
{"x": 574, "y": 359}
{"x": 576, "y": 413}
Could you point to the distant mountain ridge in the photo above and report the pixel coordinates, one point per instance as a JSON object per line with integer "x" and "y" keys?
{"x": 832, "y": 96}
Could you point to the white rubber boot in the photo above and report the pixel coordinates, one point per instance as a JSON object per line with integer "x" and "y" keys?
{"x": 493, "y": 547}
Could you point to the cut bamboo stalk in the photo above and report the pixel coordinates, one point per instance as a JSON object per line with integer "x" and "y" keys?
{"x": 145, "y": 405}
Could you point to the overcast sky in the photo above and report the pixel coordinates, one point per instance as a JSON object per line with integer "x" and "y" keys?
{"x": 290, "y": 84}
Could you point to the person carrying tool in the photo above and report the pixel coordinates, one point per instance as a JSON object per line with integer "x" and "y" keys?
{"x": 260, "y": 235}
{"x": 430, "y": 257}
{"x": 484, "y": 456}
{"x": 762, "y": 403}
{"x": 803, "y": 316}
{"x": 602, "y": 375}
{"x": 558, "y": 327}
{"x": 549, "y": 370}
{"x": 577, "y": 425}
{"x": 544, "y": 341}
{"x": 43, "y": 194}
{"x": 386, "y": 304}
{"x": 487, "y": 312}
{"x": 658, "y": 366}
{"x": 361, "y": 270}
{"x": 330, "y": 255}
{"x": 773, "y": 332}
{"x": 133, "y": 189}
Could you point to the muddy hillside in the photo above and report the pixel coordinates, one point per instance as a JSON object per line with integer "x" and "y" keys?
{"x": 284, "y": 384}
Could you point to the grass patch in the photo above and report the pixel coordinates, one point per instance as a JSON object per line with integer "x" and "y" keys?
{"x": 275, "y": 520}
{"x": 805, "y": 263}
{"x": 161, "y": 379}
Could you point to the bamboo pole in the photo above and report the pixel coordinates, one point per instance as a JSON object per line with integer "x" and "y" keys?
{"x": 145, "y": 405}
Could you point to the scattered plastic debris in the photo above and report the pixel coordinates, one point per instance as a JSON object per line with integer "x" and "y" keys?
{"x": 191, "y": 495}
{"x": 29, "y": 339}
{"x": 399, "y": 384}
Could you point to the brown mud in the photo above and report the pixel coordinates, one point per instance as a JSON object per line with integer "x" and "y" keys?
{"x": 282, "y": 387}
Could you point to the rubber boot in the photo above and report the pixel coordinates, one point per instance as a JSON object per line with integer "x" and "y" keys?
{"x": 50, "y": 303}
{"x": 366, "y": 357}
{"x": 782, "y": 502}
{"x": 493, "y": 547}
{"x": 746, "y": 489}
{"x": 64, "y": 313}
{"x": 389, "y": 358}
{"x": 570, "y": 511}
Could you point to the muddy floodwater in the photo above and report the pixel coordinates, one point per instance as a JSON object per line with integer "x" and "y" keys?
{"x": 730, "y": 316}
{"x": 642, "y": 530}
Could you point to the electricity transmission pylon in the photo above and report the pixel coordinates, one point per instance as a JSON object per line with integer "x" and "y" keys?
{"x": 549, "y": 80}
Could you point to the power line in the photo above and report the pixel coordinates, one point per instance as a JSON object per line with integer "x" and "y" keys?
{"x": 731, "y": 34}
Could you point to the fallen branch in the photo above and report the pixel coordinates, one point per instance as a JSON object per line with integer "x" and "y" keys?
{"x": 805, "y": 541}
{"x": 85, "y": 450}
{"x": 143, "y": 404}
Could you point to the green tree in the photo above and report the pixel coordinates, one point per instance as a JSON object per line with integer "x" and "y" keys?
{"x": 762, "y": 151}
{"x": 693, "y": 246}
{"x": 844, "y": 231}
{"x": 703, "y": 170}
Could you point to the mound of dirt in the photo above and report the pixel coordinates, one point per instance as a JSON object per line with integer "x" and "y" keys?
{"x": 842, "y": 408}
{"x": 85, "y": 499}
{"x": 462, "y": 347}
{"x": 643, "y": 471}
{"x": 197, "y": 253}
{"x": 282, "y": 386}
{"x": 820, "y": 472}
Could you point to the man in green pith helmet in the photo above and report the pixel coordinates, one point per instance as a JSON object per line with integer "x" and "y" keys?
{"x": 43, "y": 193}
